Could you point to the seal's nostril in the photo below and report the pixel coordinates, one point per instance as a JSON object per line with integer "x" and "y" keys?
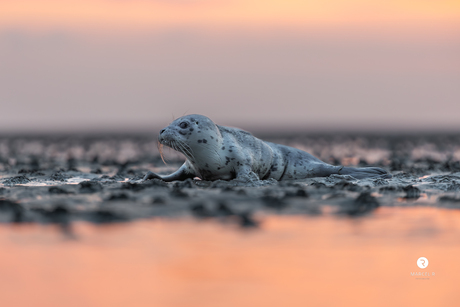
{"x": 162, "y": 130}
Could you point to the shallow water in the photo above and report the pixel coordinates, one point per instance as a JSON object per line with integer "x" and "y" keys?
{"x": 325, "y": 260}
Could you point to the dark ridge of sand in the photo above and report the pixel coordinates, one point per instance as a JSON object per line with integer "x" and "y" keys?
{"x": 98, "y": 179}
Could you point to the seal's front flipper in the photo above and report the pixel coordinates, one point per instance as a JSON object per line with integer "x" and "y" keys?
{"x": 181, "y": 174}
{"x": 365, "y": 172}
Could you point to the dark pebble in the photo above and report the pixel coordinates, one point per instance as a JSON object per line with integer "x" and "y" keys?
{"x": 133, "y": 186}
{"x": 411, "y": 192}
{"x": 57, "y": 215}
{"x": 298, "y": 193}
{"x": 453, "y": 187}
{"x": 449, "y": 199}
{"x": 159, "y": 200}
{"x": 188, "y": 183}
{"x": 90, "y": 187}
{"x": 200, "y": 210}
{"x": 118, "y": 177}
{"x": 27, "y": 171}
{"x": 247, "y": 221}
{"x": 8, "y": 205}
{"x": 319, "y": 185}
{"x": 363, "y": 204}
{"x": 273, "y": 202}
{"x": 345, "y": 185}
{"x": 16, "y": 180}
{"x": 105, "y": 216}
{"x": 58, "y": 176}
{"x": 241, "y": 192}
{"x": 57, "y": 190}
{"x": 390, "y": 189}
{"x": 155, "y": 183}
{"x": 177, "y": 192}
{"x": 118, "y": 196}
{"x": 224, "y": 210}
{"x": 14, "y": 208}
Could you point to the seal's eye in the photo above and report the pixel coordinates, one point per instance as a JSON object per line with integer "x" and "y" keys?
{"x": 183, "y": 125}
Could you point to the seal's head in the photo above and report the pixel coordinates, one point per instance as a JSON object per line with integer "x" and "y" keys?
{"x": 193, "y": 135}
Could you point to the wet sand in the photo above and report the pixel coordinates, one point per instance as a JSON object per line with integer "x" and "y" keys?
{"x": 79, "y": 227}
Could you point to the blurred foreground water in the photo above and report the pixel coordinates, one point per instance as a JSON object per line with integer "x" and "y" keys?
{"x": 288, "y": 261}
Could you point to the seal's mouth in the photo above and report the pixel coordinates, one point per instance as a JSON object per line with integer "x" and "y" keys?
{"x": 168, "y": 143}
{"x": 163, "y": 142}
{"x": 166, "y": 140}
{"x": 177, "y": 145}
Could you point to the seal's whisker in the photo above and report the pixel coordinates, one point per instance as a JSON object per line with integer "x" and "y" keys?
{"x": 185, "y": 149}
{"x": 182, "y": 149}
{"x": 160, "y": 149}
{"x": 178, "y": 147}
{"x": 192, "y": 154}
{"x": 170, "y": 145}
{"x": 174, "y": 145}
{"x": 189, "y": 149}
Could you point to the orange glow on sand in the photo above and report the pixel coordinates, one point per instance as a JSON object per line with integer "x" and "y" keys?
{"x": 291, "y": 261}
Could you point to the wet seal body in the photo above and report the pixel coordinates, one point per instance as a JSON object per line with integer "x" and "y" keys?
{"x": 215, "y": 152}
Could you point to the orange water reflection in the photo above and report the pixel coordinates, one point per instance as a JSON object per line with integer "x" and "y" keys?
{"x": 291, "y": 261}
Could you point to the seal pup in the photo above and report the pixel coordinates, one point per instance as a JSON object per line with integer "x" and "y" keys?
{"x": 216, "y": 152}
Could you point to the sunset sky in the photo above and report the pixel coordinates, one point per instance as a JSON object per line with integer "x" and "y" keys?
{"x": 124, "y": 65}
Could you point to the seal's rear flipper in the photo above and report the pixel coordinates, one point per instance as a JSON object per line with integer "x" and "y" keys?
{"x": 365, "y": 172}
